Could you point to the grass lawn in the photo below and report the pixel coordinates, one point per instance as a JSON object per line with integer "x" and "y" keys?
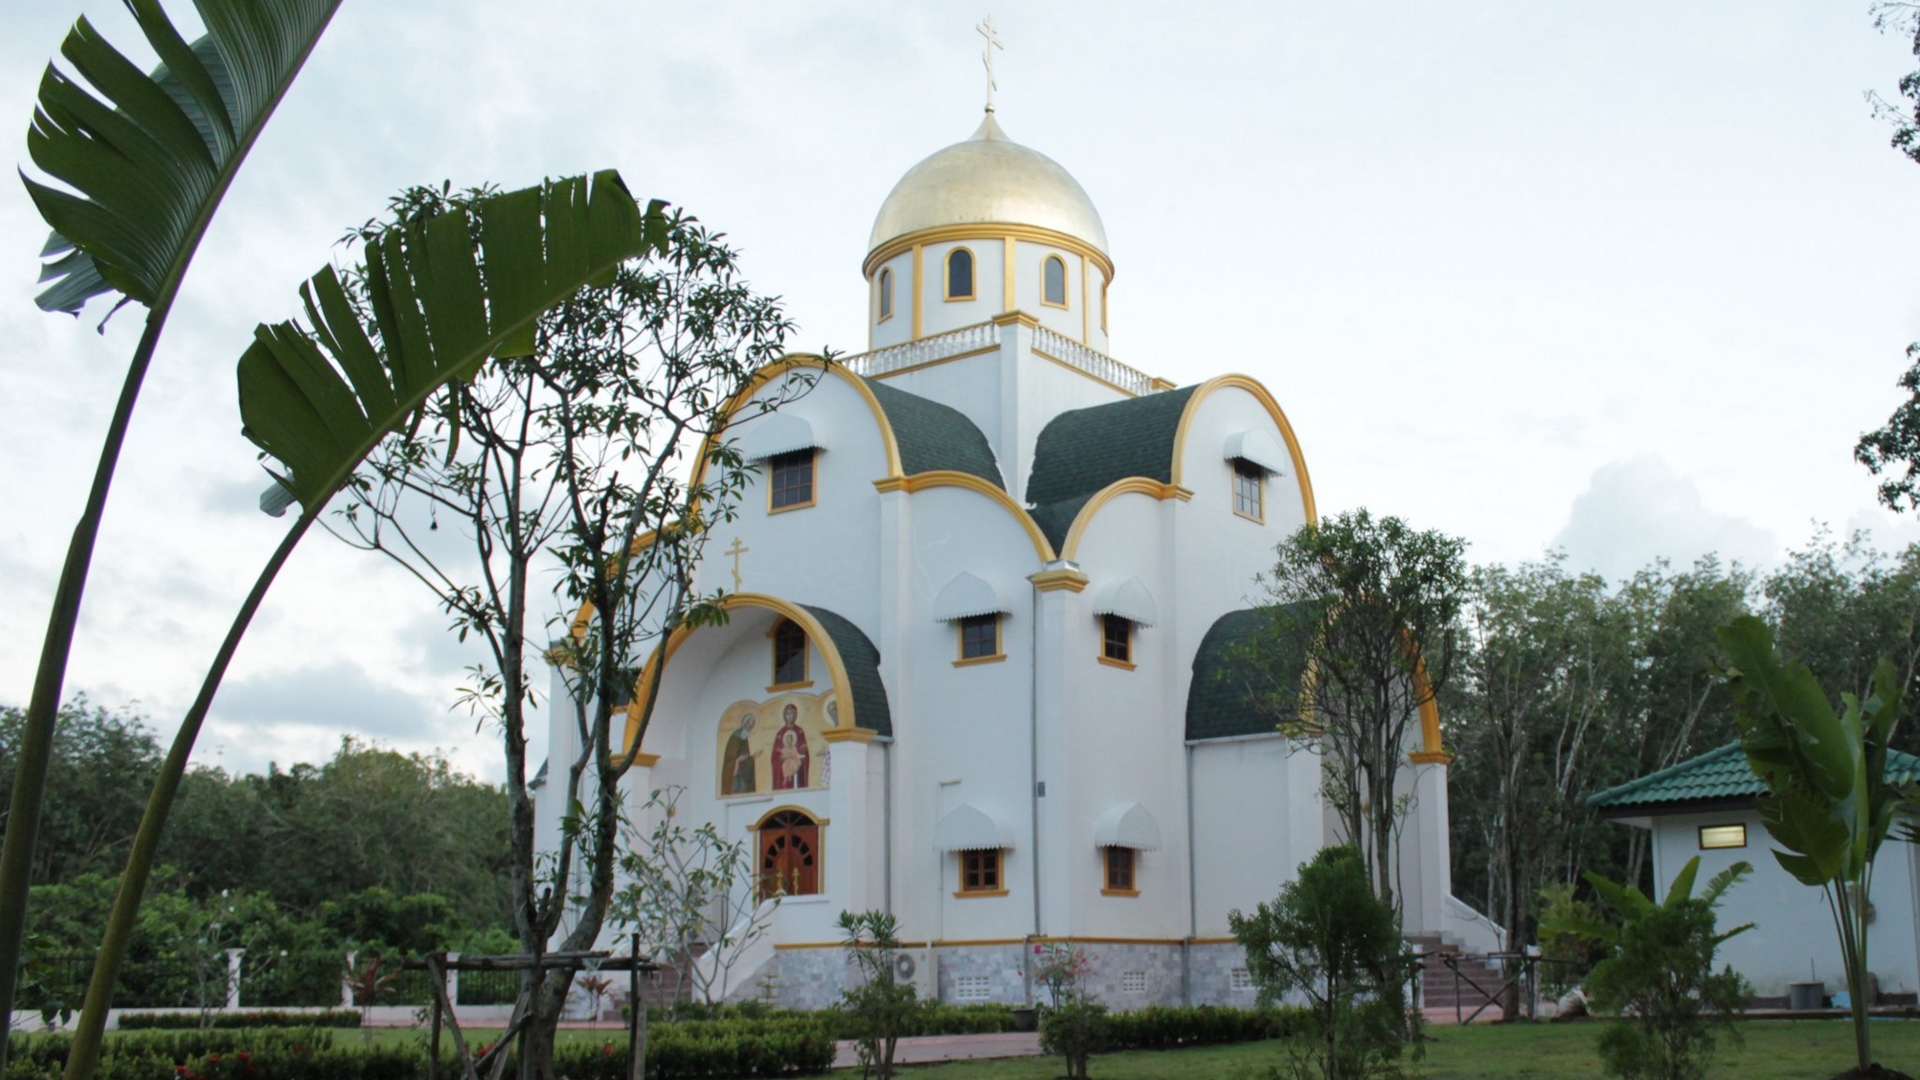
{"x": 1771, "y": 1050}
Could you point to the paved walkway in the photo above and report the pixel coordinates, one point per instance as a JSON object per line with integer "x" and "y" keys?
{"x": 922, "y": 1049}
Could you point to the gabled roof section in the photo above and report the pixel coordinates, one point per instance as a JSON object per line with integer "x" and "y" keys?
{"x": 1231, "y": 695}
{"x": 1083, "y": 450}
{"x": 1717, "y": 776}
{"x": 862, "y": 662}
{"x": 935, "y": 437}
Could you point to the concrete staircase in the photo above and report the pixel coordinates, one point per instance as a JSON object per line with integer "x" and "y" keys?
{"x": 1441, "y": 992}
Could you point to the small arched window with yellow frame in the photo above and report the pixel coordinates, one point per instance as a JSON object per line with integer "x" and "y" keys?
{"x": 884, "y": 290}
{"x": 1053, "y": 281}
{"x": 960, "y": 274}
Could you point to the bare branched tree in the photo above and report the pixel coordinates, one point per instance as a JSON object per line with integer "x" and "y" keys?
{"x": 569, "y": 495}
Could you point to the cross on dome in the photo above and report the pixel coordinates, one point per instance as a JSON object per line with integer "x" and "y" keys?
{"x": 988, "y": 31}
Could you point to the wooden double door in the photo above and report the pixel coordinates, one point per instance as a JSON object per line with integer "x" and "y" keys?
{"x": 789, "y": 855}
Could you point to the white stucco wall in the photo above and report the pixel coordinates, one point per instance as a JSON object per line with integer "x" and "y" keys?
{"x": 1793, "y": 932}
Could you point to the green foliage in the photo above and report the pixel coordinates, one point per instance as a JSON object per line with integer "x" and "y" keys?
{"x": 1659, "y": 976}
{"x": 151, "y": 162}
{"x": 1371, "y": 607}
{"x": 251, "y": 1020}
{"x": 1072, "y": 1024}
{"x": 1171, "y": 1027}
{"x": 1572, "y": 955}
{"x": 1331, "y": 940}
{"x": 103, "y": 762}
{"x": 881, "y": 1005}
{"x": 1828, "y": 805}
{"x": 440, "y": 307}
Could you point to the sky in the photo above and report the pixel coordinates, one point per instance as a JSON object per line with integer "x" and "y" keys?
{"x": 1624, "y": 279}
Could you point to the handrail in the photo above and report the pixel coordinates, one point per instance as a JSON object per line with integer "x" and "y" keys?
{"x": 880, "y": 363}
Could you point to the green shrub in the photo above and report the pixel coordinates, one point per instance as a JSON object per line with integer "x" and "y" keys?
{"x": 329, "y": 1018}
{"x": 1329, "y": 938}
{"x": 1169, "y": 1027}
{"x": 1661, "y": 980}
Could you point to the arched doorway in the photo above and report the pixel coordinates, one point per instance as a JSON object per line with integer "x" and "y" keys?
{"x": 789, "y": 855}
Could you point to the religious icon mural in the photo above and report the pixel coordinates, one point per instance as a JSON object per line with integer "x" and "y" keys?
{"x": 776, "y": 744}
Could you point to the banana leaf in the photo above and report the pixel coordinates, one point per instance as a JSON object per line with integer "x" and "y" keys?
{"x": 318, "y": 399}
{"x": 146, "y": 166}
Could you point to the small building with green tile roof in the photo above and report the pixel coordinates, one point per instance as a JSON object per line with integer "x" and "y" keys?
{"x": 982, "y": 662}
{"x": 1708, "y": 806}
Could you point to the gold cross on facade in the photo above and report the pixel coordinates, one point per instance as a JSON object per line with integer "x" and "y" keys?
{"x": 992, "y": 35}
{"x": 736, "y": 551}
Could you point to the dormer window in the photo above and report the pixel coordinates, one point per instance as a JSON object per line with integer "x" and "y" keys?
{"x": 1249, "y": 489}
{"x": 960, "y": 274}
{"x": 790, "y": 481}
{"x": 1116, "y": 640}
{"x": 1053, "y": 281}
{"x": 885, "y": 288}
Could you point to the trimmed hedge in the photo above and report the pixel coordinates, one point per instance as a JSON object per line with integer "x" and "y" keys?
{"x": 696, "y": 1050}
{"x": 268, "y": 1018}
{"x": 1168, "y": 1027}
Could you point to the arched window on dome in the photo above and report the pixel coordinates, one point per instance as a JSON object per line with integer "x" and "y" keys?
{"x": 885, "y": 288}
{"x": 960, "y": 274}
{"x": 1053, "y": 281}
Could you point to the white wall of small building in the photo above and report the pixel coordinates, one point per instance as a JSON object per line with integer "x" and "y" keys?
{"x": 1793, "y": 936}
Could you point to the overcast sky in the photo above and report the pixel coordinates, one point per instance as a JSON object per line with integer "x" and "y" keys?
{"x": 1624, "y": 278}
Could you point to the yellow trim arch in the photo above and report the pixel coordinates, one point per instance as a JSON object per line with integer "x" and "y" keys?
{"x": 817, "y": 637}
{"x": 943, "y": 478}
{"x": 1261, "y": 394}
{"x": 1140, "y": 485}
{"x": 780, "y": 367}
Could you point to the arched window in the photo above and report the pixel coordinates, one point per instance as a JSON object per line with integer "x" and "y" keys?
{"x": 789, "y": 855}
{"x": 886, "y": 294}
{"x": 1053, "y": 281}
{"x": 960, "y": 274}
{"x": 789, "y": 654}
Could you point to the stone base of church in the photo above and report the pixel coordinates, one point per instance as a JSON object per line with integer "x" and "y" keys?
{"x": 1124, "y": 975}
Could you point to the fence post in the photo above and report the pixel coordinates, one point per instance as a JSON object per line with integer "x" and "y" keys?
{"x": 233, "y": 978}
{"x": 346, "y": 982}
{"x": 453, "y": 978}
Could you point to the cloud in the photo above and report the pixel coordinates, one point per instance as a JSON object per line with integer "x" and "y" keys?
{"x": 1638, "y": 510}
{"x": 338, "y": 697}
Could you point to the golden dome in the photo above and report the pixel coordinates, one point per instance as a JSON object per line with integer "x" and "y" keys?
{"x": 989, "y": 179}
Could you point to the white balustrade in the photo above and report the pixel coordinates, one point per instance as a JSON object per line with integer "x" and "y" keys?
{"x": 927, "y": 350}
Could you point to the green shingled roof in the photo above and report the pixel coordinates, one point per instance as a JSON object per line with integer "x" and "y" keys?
{"x": 1717, "y": 775}
{"x": 1223, "y": 699}
{"x": 1081, "y": 451}
{"x": 932, "y": 436}
{"x": 862, "y": 661}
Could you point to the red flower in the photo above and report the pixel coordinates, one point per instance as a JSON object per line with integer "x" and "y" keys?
{"x": 213, "y": 1057}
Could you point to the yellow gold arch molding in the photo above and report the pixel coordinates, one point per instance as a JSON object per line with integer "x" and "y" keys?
{"x": 945, "y": 478}
{"x": 780, "y": 367}
{"x": 1139, "y": 485}
{"x": 817, "y": 635}
{"x": 1261, "y": 394}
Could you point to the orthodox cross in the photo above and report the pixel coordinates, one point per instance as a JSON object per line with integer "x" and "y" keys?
{"x": 992, "y": 35}
{"x": 736, "y": 551}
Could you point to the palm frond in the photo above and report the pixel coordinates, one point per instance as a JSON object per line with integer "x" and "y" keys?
{"x": 319, "y": 399}
{"x": 146, "y": 161}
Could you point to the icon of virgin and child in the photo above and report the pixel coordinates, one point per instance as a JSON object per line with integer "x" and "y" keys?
{"x": 755, "y": 759}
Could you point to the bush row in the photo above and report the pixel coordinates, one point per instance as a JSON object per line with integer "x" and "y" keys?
{"x": 329, "y": 1018}
{"x": 694, "y": 1051}
{"x": 1167, "y": 1027}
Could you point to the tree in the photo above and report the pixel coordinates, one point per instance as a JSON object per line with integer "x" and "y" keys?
{"x": 594, "y": 453}
{"x": 1828, "y": 804}
{"x": 1660, "y": 978}
{"x": 1896, "y": 446}
{"x": 690, "y": 896}
{"x": 882, "y": 1006}
{"x": 1329, "y": 938}
{"x": 101, "y": 760}
{"x": 1373, "y": 607}
{"x": 440, "y": 299}
{"x": 1839, "y": 608}
{"x": 150, "y": 165}
{"x": 1542, "y": 644}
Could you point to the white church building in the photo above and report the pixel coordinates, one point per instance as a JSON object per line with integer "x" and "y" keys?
{"x": 983, "y": 594}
